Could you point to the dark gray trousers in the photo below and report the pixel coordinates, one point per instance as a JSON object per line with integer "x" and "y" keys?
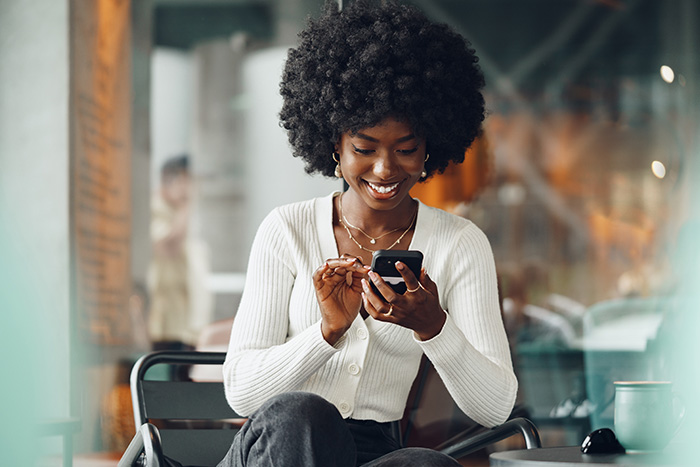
{"x": 300, "y": 429}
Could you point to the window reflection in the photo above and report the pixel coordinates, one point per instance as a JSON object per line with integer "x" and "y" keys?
{"x": 580, "y": 179}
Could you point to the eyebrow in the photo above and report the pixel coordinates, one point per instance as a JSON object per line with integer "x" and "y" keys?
{"x": 375, "y": 140}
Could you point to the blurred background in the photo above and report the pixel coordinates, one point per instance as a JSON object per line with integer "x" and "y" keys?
{"x": 585, "y": 181}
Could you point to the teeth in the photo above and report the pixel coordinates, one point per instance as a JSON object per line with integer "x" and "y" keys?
{"x": 383, "y": 189}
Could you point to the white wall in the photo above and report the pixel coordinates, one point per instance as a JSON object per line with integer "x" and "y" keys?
{"x": 171, "y": 107}
{"x": 274, "y": 177}
{"x": 34, "y": 228}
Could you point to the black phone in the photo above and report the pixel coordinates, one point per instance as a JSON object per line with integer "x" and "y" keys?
{"x": 384, "y": 264}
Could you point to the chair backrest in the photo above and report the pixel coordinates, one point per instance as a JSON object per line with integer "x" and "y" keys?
{"x": 195, "y": 422}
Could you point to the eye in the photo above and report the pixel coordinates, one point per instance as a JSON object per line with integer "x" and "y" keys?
{"x": 408, "y": 151}
{"x": 362, "y": 151}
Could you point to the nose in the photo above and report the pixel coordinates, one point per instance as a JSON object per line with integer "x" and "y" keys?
{"x": 385, "y": 167}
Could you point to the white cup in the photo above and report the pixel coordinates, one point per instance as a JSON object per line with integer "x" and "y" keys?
{"x": 645, "y": 418}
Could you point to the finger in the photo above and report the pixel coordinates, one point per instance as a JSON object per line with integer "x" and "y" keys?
{"x": 384, "y": 289}
{"x": 346, "y": 271}
{"x": 376, "y": 302}
{"x": 369, "y": 308}
{"x": 326, "y": 274}
{"x": 356, "y": 284}
{"x": 349, "y": 277}
{"x": 408, "y": 276}
{"x": 349, "y": 256}
{"x": 322, "y": 281}
{"x": 350, "y": 262}
{"x": 427, "y": 283}
{"x": 320, "y": 271}
{"x": 373, "y": 311}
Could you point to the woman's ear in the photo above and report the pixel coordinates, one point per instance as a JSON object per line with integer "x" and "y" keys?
{"x": 338, "y": 143}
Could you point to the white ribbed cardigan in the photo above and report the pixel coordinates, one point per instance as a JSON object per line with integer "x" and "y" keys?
{"x": 276, "y": 342}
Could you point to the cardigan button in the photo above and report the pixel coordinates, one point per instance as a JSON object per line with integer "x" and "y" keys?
{"x": 344, "y": 407}
{"x": 353, "y": 368}
{"x": 362, "y": 333}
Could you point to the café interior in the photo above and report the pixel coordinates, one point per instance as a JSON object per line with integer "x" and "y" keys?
{"x": 585, "y": 181}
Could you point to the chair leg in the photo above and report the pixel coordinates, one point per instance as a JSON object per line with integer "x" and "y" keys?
{"x": 146, "y": 441}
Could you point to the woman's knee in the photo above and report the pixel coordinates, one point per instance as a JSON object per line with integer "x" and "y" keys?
{"x": 294, "y": 428}
{"x": 299, "y": 407}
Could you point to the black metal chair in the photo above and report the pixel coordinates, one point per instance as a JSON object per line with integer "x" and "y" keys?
{"x": 191, "y": 422}
{"x": 187, "y": 421}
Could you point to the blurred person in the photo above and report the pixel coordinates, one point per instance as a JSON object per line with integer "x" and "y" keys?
{"x": 319, "y": 362}
{"x": 180, "y": 305}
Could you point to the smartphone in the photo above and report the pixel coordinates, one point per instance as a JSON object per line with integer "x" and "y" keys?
{"x": 384, "y": 264}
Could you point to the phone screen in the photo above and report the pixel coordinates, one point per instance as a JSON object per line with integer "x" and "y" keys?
{"x": 384, "y": 264}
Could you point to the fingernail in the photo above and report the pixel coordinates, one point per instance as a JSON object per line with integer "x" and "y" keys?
{"x": 400, "y": 265}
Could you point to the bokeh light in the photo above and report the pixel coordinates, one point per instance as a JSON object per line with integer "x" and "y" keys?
{"x": 667, "y": 74}
{"x": 658, "y": 169}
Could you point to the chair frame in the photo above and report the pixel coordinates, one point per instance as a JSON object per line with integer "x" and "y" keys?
{"x": 146, "y": 447}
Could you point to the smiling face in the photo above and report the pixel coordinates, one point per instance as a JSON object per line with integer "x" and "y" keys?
{"x": 382, "y": 163}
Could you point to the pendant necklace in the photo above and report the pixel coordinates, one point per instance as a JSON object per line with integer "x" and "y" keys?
{"x": 372, "y": 239}
{"x": 344, "y": 222}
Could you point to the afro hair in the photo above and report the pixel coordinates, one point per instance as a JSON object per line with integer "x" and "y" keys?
{"x": 354, "y": 68}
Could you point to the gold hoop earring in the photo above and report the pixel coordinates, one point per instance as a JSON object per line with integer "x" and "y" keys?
{"x": 338, "y": 173}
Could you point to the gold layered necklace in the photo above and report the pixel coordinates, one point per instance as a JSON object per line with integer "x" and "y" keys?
{"x": 373, "y": 240}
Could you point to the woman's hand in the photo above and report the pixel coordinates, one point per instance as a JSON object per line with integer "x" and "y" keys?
{"x": 417, "y": 309}
{"x": 339, "y": 293}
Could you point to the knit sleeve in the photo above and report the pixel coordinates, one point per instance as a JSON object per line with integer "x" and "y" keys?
{"x": 471, "y": 353}
{"x": 261, "y": 362}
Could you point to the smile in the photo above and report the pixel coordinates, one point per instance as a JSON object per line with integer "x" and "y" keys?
{"x": 383, "y": 189}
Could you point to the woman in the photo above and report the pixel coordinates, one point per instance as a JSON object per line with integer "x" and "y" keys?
{"x": 319, "y": 362}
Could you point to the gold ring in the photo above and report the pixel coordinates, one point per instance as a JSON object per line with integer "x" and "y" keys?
{"x": 413, "y": 290}
{"x": 388, "y": 313}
